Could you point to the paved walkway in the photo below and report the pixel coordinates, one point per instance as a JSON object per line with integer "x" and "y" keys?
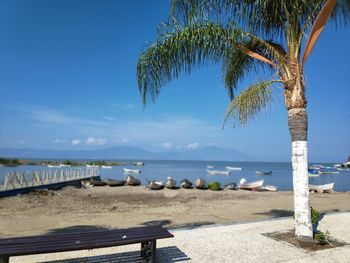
{"x": 242, "y": 242}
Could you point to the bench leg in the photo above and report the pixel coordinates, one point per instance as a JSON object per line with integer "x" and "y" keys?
{"x": 4, "y": 259}
{"x": 149, "y": 250}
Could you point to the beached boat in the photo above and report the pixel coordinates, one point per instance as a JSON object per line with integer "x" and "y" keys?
{"x": 170, "y": 183}
{"x": 185, "y": 183}
{"x": 214, "y": 186}
{"x": 230, "y": 168}
{"x": 270, "y": 188}
{"x": 250, "y": 186}
{"x": 154, "y": 185}
{"x": 131, "y": 180}
{"x": 328, "y": 172}
{"x": 106, "y": 167}
{"x": 231, "y": 186}
{"x": 218, "y": 172}
{"x": 321, "y": 187}
{"x": 131, "y": 171}
{"x": 113, "y": 182}
{"x": 97, "y": 182}
{"x": 200, "y": 183}
{"x": 210, "y": 166}
{"x": 263, "y": 173}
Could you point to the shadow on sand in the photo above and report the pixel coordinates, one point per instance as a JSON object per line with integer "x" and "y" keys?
{"x": 164, "y": 254}
{"x": 275, "y": 213}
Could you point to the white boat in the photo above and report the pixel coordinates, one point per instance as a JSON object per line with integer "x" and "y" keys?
{"x": 132, "y": 171}
{"x": 250, "y": 186}
{"x": 270, "y": 188}
{"x": 210, "y": 166}
{"x": 230, "y": 168}
{"x": 337, "y": 165}
{"x": 343, "y": 169}
{"x": 91, "y": 166}
{"x": 53, "y": 166}
{"x": 65, "y": 165}
{"x": 218, "y": 172}
{"x": 313, "y": 175}
{"x": 321, "y": 187}
{"x": 138, "y": 163}
{"x": 328, "y": 172}
{"x": 106, "y": 167}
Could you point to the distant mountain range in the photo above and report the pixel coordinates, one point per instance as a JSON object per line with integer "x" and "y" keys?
{"x": 211, "y": 153}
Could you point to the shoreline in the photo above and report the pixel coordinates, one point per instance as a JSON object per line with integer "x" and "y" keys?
{"x": 72, "y": 209}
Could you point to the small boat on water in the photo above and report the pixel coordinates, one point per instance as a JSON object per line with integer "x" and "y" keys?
{"x": 95, "y": 182}
{"x": 230, "y": 168}
{"x": 106, "y": 167}
{"x": 321, "y": 187}
{"x": 263, "y": 173}
{"x": 54, "y": 166}
{"x": 131, "y": 171}
{"x": 65, "y": 165}
{"x": 185, "y": 183}
{"x": 170, "y": 183}
{"x": 91, "y": 166}
{"x": 113, "y": 182}
{"x": 231, "y": 186}
{"x": 200, "y": 183}
{"x": 270, "y": 188}
{"x": 210, "y": 166}
{"x": 343, "y": 169}
{"x": 337, "y": 165}
{"x": 218, "y": 172}
{"x": 313, "y": 175}
{"x": 214, "y": 186}
{"x": 154, "y": 185}
{"x": 328, "y": 172}
{"x": 138, "y": 163}
{"x": 250, "y": 186}
{"x": 133, "y": 181}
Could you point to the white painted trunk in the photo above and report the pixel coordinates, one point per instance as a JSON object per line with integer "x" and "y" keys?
{"x": 302, "y": 213}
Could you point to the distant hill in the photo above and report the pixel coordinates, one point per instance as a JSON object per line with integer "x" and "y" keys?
{"x": 133, "y": 153}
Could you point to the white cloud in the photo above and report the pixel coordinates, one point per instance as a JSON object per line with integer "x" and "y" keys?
{"x": 96, "y": 141}
{"x": 193, "y": 145}
{"x": 59, "y": 141}
{"x": 166, "y": 145}
{"x": 76, "y": 142}
{"x": 108, "y": 118}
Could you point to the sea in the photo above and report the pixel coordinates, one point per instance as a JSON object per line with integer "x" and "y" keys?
{"x": 159, "y": 170}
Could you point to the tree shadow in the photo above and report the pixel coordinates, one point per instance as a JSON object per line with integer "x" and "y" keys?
{"x": 192, "y": 225}
{"x": 162, "y": 222}
{"x": 164, "y": 254}
{"x": 76, "y": 229}
{"x": 275, "y": 213}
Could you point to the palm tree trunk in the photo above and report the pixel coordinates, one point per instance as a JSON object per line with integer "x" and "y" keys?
{"x": 297, "y": 122}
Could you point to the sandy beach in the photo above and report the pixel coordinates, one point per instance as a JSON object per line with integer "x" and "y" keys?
{"x": 72, "y": 209}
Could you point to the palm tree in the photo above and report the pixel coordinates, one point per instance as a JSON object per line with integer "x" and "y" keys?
{"x": 247, "y": 36}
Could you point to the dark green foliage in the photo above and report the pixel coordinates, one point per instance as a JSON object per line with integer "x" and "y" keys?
{"x": 315, "y": 216}
{"x": 9, "y": 162}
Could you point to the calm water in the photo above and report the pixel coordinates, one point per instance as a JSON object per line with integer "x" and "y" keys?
{"x": 160, "y": 170}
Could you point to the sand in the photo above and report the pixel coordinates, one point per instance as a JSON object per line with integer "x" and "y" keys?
{"x": 72, "y": 209}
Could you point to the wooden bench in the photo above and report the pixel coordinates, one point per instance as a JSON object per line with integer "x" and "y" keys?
{"x": 31, "y": 245}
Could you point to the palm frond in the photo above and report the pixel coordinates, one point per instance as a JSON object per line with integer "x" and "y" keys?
{"x": 250, "y": 102}
{"x": 180, "y": 52}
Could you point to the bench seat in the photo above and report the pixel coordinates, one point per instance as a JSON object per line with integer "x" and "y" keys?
{"x": 30, "y": 245}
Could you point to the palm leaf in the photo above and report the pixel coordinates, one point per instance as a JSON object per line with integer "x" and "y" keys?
{"x": 250, "y": 101}
{"x": 318, "y": 27}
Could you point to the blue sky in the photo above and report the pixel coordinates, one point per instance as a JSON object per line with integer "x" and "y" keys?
{"x": 68, "y": 81}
